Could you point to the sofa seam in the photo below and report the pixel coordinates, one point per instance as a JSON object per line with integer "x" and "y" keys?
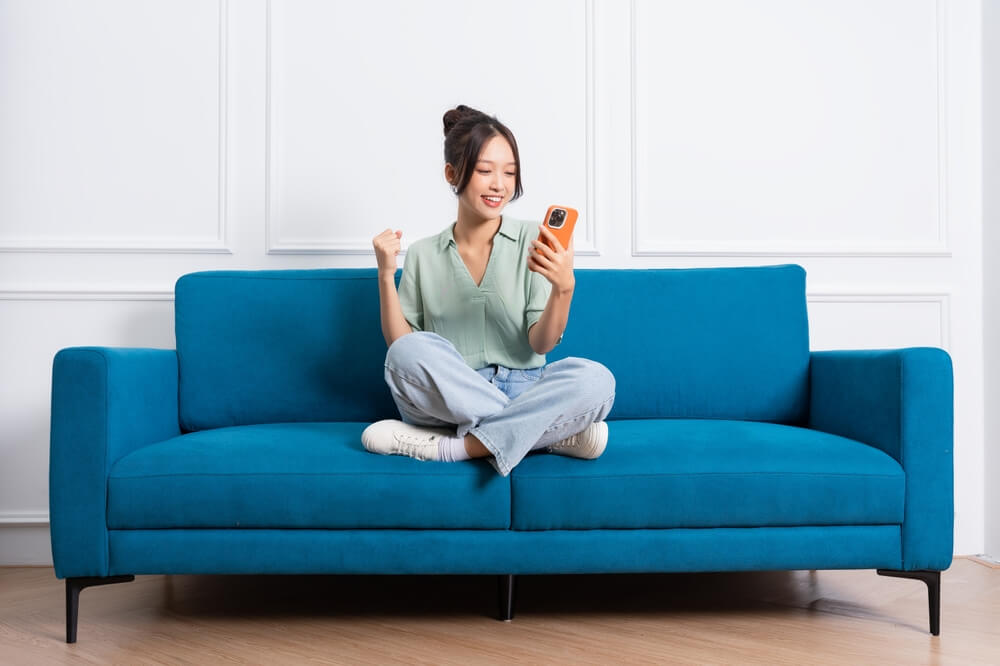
{"x": 501, "y": 529}
{"x": 562, "y": 478}
{"x": 317, "y": 474}
{"x": 687, "y": 527}
{"x": 688, "y": 474}
{"x": 899, "y": 436}
{"x": 105, "y": 472}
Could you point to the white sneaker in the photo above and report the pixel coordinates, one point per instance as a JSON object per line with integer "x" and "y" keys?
{"x": 390, "y": 437}
{"x": 588, "y": 444}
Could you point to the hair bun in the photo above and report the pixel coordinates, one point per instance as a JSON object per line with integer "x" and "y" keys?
{"x": 453, "y": 116}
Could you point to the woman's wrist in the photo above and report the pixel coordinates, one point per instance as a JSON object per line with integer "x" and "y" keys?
{"x": 564, "y": 291}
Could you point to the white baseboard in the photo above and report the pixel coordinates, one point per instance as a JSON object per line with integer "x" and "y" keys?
{"x": 986, "y": 559}
{"x": 24, "y": 544}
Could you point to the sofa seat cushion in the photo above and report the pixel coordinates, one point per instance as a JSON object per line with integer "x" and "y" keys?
{"x": 664, "y": 473}
{"x": 298, "y": 475}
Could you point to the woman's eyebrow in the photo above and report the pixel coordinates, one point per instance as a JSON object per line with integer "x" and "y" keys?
{"x": 492, "y": 162}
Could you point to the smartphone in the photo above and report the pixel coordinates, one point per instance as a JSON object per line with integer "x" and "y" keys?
{"x": 560, "y": 220}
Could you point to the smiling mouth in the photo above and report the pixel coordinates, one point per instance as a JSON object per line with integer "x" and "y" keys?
{"x": 492, "y": 201}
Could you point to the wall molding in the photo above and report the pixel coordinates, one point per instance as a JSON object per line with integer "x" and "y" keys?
{"x": 180, "y": 245}
{"x": 713, "y": 248}
{"x": 84, "y": 294}
{"x": 24, "y": 518}
{"x": 941, "y": 297}
{"x": 272, "y": 218}
{"x": 590, "y": 248}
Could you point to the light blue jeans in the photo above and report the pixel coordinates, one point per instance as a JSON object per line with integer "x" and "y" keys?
{"x": 510, "y": 411}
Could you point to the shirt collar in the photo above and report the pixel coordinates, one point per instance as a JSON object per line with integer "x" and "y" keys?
{"x": 507, "y": 229}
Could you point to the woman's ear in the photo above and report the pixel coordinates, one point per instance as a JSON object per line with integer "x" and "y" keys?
{"x": 449, "y": 174}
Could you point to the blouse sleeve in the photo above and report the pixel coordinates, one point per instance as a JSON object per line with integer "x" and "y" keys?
{"x": 409, "y": 293}
{"x": 538, "y": 296}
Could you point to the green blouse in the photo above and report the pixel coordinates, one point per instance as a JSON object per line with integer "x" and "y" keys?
{"x": 487, "y": 323}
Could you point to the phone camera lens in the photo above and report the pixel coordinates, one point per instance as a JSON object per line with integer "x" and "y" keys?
{"x": 557, "y": 218}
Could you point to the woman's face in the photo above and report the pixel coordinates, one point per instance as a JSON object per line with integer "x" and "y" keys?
{"x": 493, "y": 180}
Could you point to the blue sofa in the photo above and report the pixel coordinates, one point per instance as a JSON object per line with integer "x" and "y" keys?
{"x": 732, "y": 446}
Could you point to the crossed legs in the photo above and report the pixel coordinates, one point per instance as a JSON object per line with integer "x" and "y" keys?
{"x": 434, "y": 387}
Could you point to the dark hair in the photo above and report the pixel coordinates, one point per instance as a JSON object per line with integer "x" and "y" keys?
{"x": 466, "y": 130}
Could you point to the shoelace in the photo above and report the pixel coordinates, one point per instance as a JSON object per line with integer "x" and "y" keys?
{"x": 410, "y": 443}
{"x": 568, "y": 442}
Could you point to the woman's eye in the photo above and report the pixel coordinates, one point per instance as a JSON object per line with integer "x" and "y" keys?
{"x": 511, "y": 174}
{"x": 483, "y": 171}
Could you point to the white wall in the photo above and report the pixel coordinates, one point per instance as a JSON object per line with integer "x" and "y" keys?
{"x": 991, "y": 270}
{"x": 144, "y": 141}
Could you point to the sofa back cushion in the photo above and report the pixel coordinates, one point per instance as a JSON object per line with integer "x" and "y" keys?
{"x": 723, "y": 343}
{"x": 281, "y": 346}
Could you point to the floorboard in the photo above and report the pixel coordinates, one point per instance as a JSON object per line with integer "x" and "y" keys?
{"x": 779, "y": 617}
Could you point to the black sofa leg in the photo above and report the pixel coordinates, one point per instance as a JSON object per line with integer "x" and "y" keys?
{"x": 505, "y": 587}
{"x": 73, "y": 587}
{"x": 933, "y": 580}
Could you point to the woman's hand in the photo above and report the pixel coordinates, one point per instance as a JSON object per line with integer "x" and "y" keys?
{"x": 556, "y": 265}
{"x": 387, "y": 246}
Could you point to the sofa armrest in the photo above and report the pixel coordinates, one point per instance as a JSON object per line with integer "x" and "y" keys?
{"x": 900, "y": 401}
{"x": 106, "y": 402}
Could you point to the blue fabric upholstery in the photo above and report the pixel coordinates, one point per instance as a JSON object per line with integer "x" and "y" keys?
{"x": 272, "y": 346}
{"x": 699, "y": 473}
{"x": 732, "y": 447}
{"x": 280, "y": 346}
{"x": 503, "y": 552}
{"x": 900, "y": 401}
{"x": 105, "y": 403}
{"x": 298, "y": 475}
{"x": 699, "y": 343}
{"x": 659, "y": 474}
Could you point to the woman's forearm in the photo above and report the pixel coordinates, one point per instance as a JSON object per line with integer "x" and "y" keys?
{"x": 394, "y": 324}
{"x": 544, "y": 335}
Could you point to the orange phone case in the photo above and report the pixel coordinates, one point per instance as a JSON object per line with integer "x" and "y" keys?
{"x": 565, "y": 230}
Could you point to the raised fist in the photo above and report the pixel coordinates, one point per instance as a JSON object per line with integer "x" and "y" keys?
{"x": 387, "y": 246}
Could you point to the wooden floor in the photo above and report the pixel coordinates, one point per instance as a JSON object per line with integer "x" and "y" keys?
{"x": 785, "y": 617}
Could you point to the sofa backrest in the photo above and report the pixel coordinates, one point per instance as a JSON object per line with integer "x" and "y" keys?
{"x": 306, "y": 345}
{"x": 721, "y": 343}
{"x": 279, "y": 346}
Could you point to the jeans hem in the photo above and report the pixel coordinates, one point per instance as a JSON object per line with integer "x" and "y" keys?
{"x": 501, "y": 465}
{"x": 589, "y": 412}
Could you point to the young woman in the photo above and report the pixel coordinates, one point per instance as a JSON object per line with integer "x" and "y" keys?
{"x": 478, "y": 307}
